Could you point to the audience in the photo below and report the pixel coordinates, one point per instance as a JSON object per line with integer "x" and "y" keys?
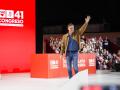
{"x": 116, "y": 62}
{"x": 55, "y": 44}
{"x": 104, "y": 59}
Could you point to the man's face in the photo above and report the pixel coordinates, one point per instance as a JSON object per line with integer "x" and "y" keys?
{"x": 71, "y": 29}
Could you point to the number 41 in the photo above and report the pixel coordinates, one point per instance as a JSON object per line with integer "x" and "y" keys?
{"x": 19, "y": 14}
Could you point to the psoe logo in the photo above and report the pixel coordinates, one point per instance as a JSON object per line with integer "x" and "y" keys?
{"x": 54, "y": 64}
{"x": 11, "y": 18}
{"x": 92, "y": 62}
{"x": 81, "y": 63}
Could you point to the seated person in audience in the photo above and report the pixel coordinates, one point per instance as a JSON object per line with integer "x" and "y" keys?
{"x": 106, "y": 43}
{"x": 116, "y": 62}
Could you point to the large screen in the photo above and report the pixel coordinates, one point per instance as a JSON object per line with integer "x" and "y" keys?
{"x": 17, "y": 35}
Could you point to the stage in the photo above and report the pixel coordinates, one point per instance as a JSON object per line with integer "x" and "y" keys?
{"x": 23, "y": 81}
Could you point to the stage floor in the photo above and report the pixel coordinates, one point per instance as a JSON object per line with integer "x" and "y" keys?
{"x": 22, "y": 81}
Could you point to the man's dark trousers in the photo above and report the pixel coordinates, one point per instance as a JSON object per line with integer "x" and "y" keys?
{"x": 72, "y": 57}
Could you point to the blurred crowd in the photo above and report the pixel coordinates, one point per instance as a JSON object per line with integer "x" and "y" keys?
{"x": 105, "y": 60}
{"x": 55, "y": 44}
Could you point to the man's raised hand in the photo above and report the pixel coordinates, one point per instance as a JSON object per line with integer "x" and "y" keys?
{"x": 87, "y": 19}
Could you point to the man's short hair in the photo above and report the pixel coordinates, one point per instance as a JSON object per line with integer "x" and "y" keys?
{"x": 70, "y": 24}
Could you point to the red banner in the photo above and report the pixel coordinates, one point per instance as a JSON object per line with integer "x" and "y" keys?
{"x": 17, "y": 35}
{"x": 51, "y": 65}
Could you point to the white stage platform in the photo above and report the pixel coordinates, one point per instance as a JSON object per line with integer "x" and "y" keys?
{"x": 22, "y": 81}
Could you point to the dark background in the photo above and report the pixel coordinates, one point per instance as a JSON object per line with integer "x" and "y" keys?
{"x": 61, "y": 12}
